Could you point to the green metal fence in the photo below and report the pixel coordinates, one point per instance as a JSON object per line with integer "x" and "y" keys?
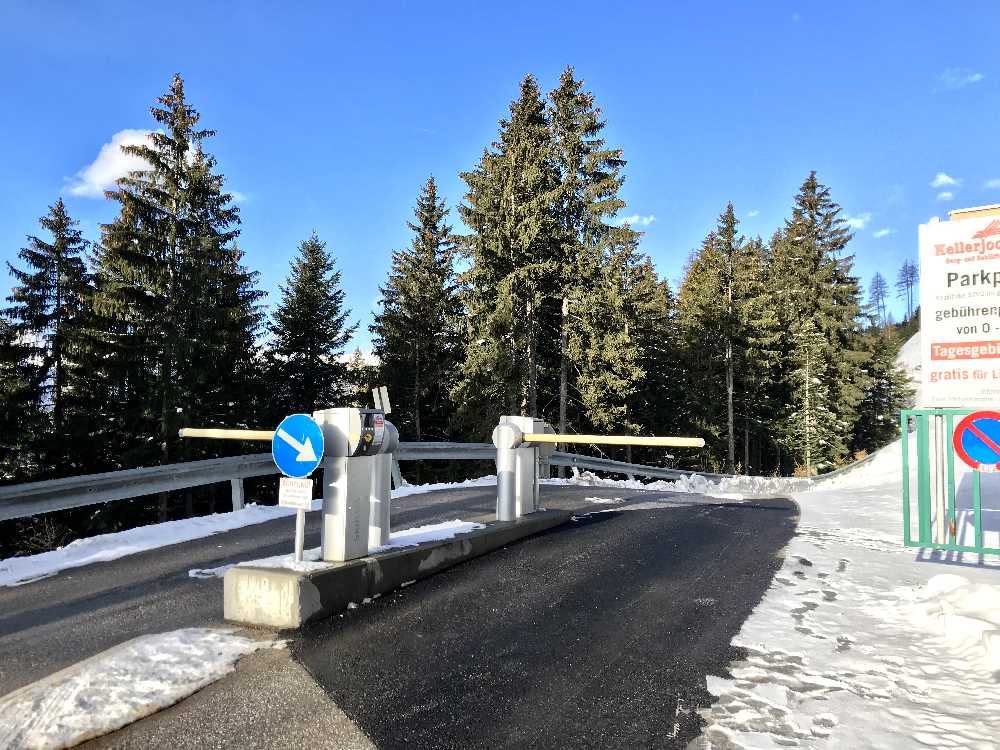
{"x": 938, "y": 518}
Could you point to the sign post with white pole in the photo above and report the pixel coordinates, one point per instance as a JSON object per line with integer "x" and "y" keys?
{"x": 297, "y": 449}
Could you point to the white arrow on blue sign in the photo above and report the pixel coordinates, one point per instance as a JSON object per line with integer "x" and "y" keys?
{"x": 297, "y": 445}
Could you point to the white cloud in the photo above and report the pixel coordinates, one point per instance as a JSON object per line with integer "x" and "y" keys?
{"x": 238, "y": 197}
{"x": 959, "y": 78}
{"x": 880, "y": 233}
{"x": 635, "y": 219}
{"x": 944, "y": 180}
{"x": 751, "y": 214}
{"x": 110, "y": 164}
{"x": 945, "y": 195}
{"x": 858, "y": 222}
{"x": 991, "y": 184}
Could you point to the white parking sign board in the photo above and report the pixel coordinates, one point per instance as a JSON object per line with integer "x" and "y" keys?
{"x": 960, "y": 309}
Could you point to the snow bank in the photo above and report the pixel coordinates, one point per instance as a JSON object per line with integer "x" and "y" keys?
{"x": 118, "y": 686}
{"x": 964, "y": 614}
{"x": 19, "y": 570}
{"x": 739, "y": 487}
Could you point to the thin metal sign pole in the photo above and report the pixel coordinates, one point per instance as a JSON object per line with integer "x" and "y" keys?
{"x": 300, "y": 533}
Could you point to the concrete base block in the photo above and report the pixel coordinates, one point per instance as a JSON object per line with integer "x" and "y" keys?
{"x": 286, "y": 599}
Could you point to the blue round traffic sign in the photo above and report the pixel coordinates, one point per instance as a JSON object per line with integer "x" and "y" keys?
{"x": 977, "y": 439}
{"x": 297, "y": 445}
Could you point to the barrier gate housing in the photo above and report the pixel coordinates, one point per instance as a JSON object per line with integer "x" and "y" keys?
{"x": 949, "y": 494}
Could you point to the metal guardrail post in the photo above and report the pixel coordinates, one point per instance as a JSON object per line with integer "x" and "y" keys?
{"x": 923, "y": 480}
{"x": 238, "y": 495}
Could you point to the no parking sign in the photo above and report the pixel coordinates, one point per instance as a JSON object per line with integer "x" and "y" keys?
{"x": 977, "y": 440}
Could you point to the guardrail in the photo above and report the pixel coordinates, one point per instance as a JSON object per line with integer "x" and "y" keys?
{"x": 35, "y": 498}
{"x": 595, "y": 463}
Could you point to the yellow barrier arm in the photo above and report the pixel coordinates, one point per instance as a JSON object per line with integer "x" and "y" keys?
{"x": 214, "y": 434}
{"x": 673, "y": 442}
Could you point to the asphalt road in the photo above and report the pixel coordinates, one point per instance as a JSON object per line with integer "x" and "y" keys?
{"x": 55, "y": 622}
{"x": 595, "y": 634}
{"x": 598, "y": 633}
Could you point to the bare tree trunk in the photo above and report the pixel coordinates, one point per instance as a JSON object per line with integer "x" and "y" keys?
{"x": 563, "y": 374}
{"x": 746, "y": 446}
{"x": 808, "y": 416}
{"x": 729, "y": 408}
{"x": 532, "y": 400}
{"x": 416, "y": 395}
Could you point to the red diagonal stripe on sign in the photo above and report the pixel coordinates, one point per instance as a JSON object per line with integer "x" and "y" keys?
{"x": 984, "y": 437}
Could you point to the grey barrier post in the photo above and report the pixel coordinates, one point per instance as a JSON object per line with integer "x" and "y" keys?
{"x": 357, "y": 464}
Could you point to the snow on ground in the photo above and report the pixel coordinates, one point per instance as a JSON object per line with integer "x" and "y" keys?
{"x": 19, "y": 570}
{"x": 861, "y": 642}
{"x": 312, "y": 558}
{"x": 736, "y": 487}
{"x": 119, "y": 686}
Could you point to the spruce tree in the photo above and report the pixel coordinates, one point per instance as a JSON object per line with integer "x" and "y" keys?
{"x": 888, "y": 390}
{"x": 817, "y": 295}
{"x": 878, "y": 291}
{"x": 514, "y": 268}
{"x": 21, "y": 417}
{"x": 49, "y": 317}
{"x": 416, "y": 335}
{"x": 172, "y": 298}
{"x": 661, "y": 403}
{"x": 310, "y": 333}
{"x": 811, "y": 429}
{"x": 730, "y": 332}
{"x": 606, "y": 345}
{"x": 906, "y": 283}
{"x": 587, "y": 196}
{"x": 362, "y": 378}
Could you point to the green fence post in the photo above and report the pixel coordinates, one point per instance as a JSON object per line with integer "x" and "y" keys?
{"x": 949, "y": 434}
{"x": 977, "y": 509}
{"x": 923, "y": 481}
{"x": 904, "y": 437}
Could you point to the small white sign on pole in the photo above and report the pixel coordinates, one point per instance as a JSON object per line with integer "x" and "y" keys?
{"x": 960, "y": 310}
{"x": 297, "y": 493}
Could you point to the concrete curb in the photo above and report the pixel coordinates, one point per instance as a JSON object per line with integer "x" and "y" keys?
{"x": 285, "y": 599}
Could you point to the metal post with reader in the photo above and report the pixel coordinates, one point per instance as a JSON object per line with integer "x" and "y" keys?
{"x": 523, "y": 443}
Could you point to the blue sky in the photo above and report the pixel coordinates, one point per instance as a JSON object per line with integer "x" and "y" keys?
{"x": 330, "y": 116}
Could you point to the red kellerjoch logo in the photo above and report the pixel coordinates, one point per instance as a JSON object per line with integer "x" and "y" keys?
{"x": 988, "y": 231}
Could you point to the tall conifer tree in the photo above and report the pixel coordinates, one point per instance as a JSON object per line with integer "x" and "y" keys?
{"x": 730, "y": 332}
{"x": 310, "y": 333}
{"x": 49, "y": 318}
{"x": 587, "y": 196}
{"x": 21, "y": 417}
{"x": 813, "y": 284}
{"x": 171, "y": 293}
{"x": 416, "y": 333}
{"x": 878, "y": 292}
{"x": 607, "y": 343}
{"x": 514, "y": 268}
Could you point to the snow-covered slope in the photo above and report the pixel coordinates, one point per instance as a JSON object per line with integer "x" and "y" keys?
{"x": 861, "y": 642}
{"x": 909, "y": 360}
